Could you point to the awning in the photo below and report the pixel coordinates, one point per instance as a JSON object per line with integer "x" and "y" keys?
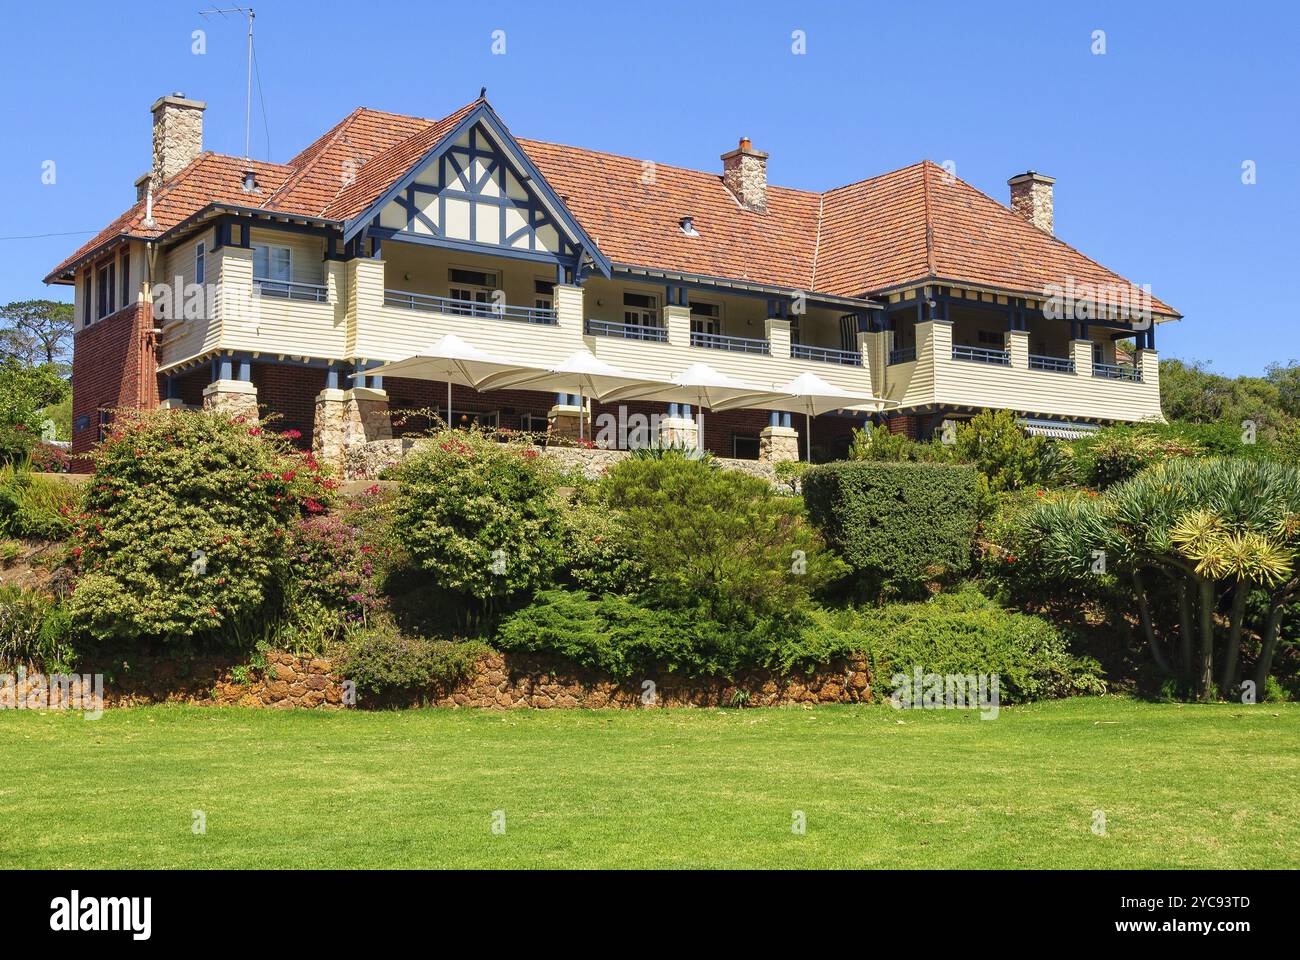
{"x": 1057, "y": 429}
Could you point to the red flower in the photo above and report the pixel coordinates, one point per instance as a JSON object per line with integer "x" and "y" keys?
{"x": 254, "y": 431}
{"x": 291, "y": 434}
{"x": 288, "y": 476}
{"x": 312, "y": 506}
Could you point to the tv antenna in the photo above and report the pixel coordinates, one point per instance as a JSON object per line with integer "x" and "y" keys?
{"x": 248, "y": 97}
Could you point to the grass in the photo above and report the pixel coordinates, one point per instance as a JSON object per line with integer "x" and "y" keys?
{"x": 1181, "y": 786}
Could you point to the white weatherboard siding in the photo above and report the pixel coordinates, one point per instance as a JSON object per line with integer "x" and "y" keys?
{"x": 936, "y": 379}
{"x": 355, "y": 323}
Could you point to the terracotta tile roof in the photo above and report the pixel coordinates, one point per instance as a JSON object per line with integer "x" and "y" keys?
{"x": 898, "y": 228}
{"x": 375, "y": 177}
{"x": 208, "y": 178}
{"x": 343, "y": 158}
{"x": 632, "y": 210}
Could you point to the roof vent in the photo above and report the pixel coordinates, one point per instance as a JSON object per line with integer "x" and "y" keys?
{"x": 688, "y": 227}
{"x": 250, "y": 182}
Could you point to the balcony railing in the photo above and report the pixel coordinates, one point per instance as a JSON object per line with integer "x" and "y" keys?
{"x": 290, "y": 290}
{"x": 468, "y": 308}
{"x": 803, "y": 351}
{"x": 1117, "y": 371}
{"x": 981, "y": 354}
{"x": 902, "y": 355}
{"x": 628, "y": 331}
{"x": 716, "y": 341}
{"x": 1054, "y": 364}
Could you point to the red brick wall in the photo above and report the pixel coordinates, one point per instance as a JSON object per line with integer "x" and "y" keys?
{"x": 113, "y": 367}
{"x": 289, "y": 391}
{"x": 907, "y": 425}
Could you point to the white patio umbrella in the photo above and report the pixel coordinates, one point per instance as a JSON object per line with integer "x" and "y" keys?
{"x": 812, "y": 396}
{"x": 705, "y": 388}
{"x": 581, "y": 373}
{"x": 453, "y": 360}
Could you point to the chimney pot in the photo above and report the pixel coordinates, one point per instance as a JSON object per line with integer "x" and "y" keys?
{"x": 1031, "y": 198}
{"x": 177, "y": 135}
{"x": 744, "y": 173}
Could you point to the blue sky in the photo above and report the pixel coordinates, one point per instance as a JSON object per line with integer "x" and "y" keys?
{"x": 1146, "y": 141}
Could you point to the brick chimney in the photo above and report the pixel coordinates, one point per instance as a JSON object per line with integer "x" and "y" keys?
{"x": 177, "y": 135}
{"x": 744, "y": 172}
{"x": 1031, "y": 198}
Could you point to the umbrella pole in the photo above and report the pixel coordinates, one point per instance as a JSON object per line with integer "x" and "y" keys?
{"x": 582, "y": 410}
{"x": 807, "y": 438}
{"x": 448, "y": 403}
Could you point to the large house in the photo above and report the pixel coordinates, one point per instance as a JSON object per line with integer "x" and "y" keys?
{"x": 238, "y": 285}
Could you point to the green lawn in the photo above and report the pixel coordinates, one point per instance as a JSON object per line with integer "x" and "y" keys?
{"x": 1181, "y": 786}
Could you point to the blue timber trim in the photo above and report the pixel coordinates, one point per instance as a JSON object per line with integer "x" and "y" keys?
{"x": 504, "y": 150}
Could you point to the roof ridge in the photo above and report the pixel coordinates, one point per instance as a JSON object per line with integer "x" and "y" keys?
{"x": 877, "y": 176}
{"x": 817, "y": 243}
{"x": 330, "y": 139}
{"x": 1019, "y": 220}
{"x": 929, "y": 224}
{"x": 667, "y": 166}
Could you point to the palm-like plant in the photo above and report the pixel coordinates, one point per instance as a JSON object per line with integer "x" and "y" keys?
{"x": 1209, "y": 526}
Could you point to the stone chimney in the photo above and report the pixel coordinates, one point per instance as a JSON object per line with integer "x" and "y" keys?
{"x": 1031, "y": 198}
{"x": 744, "y": 172}
{"x": 177, "y": 136}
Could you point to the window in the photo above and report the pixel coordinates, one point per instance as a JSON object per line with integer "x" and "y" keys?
{"x": 85, "y": 300}
{"x": 533, "y": 423}
{"x": 641, "y": 309}
{"x": 706, "y": 317}
{"x": 471, "y": 286}
{"x": 991, "y": 338}
{"x": 126, "y": 278}
{"x": 744, "y": 448}
{"x": 200, "y": 267}
{"x": 105, "y": 421}
{"x": 544, "y": 294}
{"x": 105, "y": 279}
{"x": 1098, "y": 355}
{"x": 272, "y": 263}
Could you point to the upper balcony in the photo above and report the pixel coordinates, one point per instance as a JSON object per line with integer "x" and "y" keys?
{"x": 1068, "y": 378}
{"x": 515, "y": 309}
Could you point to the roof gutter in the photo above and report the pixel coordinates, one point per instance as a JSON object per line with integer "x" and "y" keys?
{"x": 744, "y": 286}
{"x": 200, "y": 216}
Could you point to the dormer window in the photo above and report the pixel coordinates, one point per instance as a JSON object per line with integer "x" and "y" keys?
{"x": 688, "y": 227}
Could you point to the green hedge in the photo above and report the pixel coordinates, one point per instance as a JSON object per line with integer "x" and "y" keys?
{"x": 896, "y": 524}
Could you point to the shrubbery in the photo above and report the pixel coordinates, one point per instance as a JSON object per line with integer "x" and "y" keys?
{"x": 1114, "y": 454}
{"x": 382, "y": 661}
{"x": 896, "y": 524}
{"x": 34, "y": 630}
{"x": 958, "y": 633}
{"x": 185, "y": 526}
{"x": 24, "y": 392}
{"x": 35, "y": 506}
{"x": 624, "y": 638}
{"x": 717, "y": 540}
{"x": 480, "y": 518}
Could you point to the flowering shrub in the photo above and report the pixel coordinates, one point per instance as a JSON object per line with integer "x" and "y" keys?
{"x": 330, "y": 584}
{"x": 35, "y": 506}
{"x": 185, "y": 525}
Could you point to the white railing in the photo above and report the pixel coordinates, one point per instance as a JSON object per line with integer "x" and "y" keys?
{"x": 468, "y": 308}
{"x": 1117, "y": 371}
{"x": 981, "y": 355}
{"x": 627, "y": 331}
{"x": 290, "y": 290}
{"x": 717, "y": 341}
{"x": 803, "y": 351}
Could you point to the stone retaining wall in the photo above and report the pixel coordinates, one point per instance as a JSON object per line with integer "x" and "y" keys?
{"x": 365, "y": 461}
{"x": 500, "y": 682}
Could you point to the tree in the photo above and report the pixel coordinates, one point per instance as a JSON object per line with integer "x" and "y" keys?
{"x": 24, "y": 392}
{"x": 36, "y": 331}
{"x": 1216, "y": 529}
